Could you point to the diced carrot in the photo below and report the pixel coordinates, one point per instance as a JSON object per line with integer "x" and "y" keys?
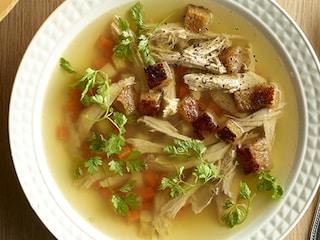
{"x": 63, "y": 133}
{"x": 85, "y": 150}
{"x": 125, "y": 152}
{"x": 217, "y": 109}
{"x": 74, "y": 106}
{"x": 152, "y": 178}
{"x": 147, "y": 205}
{"x": 133, "y": 216}
{"x": 147, "y": 193}
{"x": 106, "y": 45}
{"x": 100, "y": 62}
{"x": 183, "y": 90}
{"x": 182, "y": 212}
{"x": 106, "y": 193}
{"x": 179, "y": 73}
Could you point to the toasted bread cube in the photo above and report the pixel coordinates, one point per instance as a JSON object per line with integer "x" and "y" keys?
{"x": 254, "y": 156}
{"x": 255, "y": 98}
{"x": 189, "y": 108}
{"x": 204, "y": 124}
{"x": 157, "y": 74}
{"x": 126, "y": 101}
{"x": 150, "y": 103}
{"x": 197, "y": 19}
{"x": 230, "y": 131}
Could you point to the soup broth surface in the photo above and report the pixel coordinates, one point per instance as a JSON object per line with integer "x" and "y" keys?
{"x": 82, "y": 51}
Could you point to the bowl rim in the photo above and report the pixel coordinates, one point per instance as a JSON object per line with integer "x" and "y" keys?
{"x": 80, "y": 18}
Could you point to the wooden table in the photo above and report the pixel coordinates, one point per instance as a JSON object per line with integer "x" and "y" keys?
{"x": 17, "y": 219}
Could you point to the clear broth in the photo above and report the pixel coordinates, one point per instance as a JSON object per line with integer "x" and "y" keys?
{"x": 96, "y": 210}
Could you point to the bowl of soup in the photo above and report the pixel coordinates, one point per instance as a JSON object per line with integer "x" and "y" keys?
{"x": 142, "y": 119}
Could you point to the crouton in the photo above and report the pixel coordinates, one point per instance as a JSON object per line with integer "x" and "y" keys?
{"x": 254, "y": 156}
{"x": 150, "y": 103}
{"x": 197, "y": 19}
{"x": 230, "y": 131}
{"x": 256, "y": 98}
{"x": 126, "y": 102}
{"x": 189, "y": 108}
{"x": 157, "y": 74}
{"x": 204, "y": 124}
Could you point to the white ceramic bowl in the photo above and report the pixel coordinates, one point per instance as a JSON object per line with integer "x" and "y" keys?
{"x": 40, "y": 60}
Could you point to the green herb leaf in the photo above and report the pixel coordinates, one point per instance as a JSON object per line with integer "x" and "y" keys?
{"x": 93, "y": 164}
{"x": 123, "y": 49}
{"x": 245, "y": 191}
{"x": 128, "y": 165}
{"x": 143, "y": 47}
{"x": 137, "y": 16}
{"x": 205, "y": 171}
{"x": 173, "y": 184}
{"x": 114, "y": 144}
{"x": 120, "y": 205}
{"x": 120, "y": 120}
{"x": 117, "y": 167}
{"x": 128, "y": 186}
{"x": 269, "y": 183}
{"x": 123, "y": 203}
{"x": 133, "y": 164}
{"x": 236, "y": 213}
{"x": 186, "y": 148}
{"x": 132, "y": 201}
{"x": 66, "y": 66}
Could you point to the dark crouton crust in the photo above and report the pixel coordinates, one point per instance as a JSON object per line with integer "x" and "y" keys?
{"x": 204, "y": 124}
{"x": 150, "y": 103}
{"x": 256, "y": 98}
{"x": 254, "y": 156}
{"x": 230, "y": 132}
{"x": 155, "y": 75}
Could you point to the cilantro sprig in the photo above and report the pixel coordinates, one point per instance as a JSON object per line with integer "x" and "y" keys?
{"x": 203, "y": 172}
{"x": 238, "y": 212}
{"x": 269, "y": 183}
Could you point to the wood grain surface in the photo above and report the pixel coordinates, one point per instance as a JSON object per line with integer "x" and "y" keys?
{"x": 17, "y": 219}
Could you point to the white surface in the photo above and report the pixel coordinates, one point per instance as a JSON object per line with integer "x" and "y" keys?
{"x": 56, "y": 34}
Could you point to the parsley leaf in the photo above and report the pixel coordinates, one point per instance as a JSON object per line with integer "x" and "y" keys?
{"x": 269, "y": 183}
{"x": 112, "y": 145}
{"x": 143, "y": 47}
{"x": 127, "y": 40}
{"x": 93, "y": 164}
{"x": 122, "y": 203}
{"x": 130, "y": 164}
{"x": 238, "y": 212}
{"x": 186, "y": 148}
{"x": 202, "y": 173}
{"x": 120, "y": 121}
{"x": 137, "y": 16}
{"x": 206, "y": 172}
{"x": 117, "y": 167}
{"x": 174, "y": 184}
{"x": 127, "y": 187}
{"x": 123, "y": 49}
{"x": 66, "y": 66}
